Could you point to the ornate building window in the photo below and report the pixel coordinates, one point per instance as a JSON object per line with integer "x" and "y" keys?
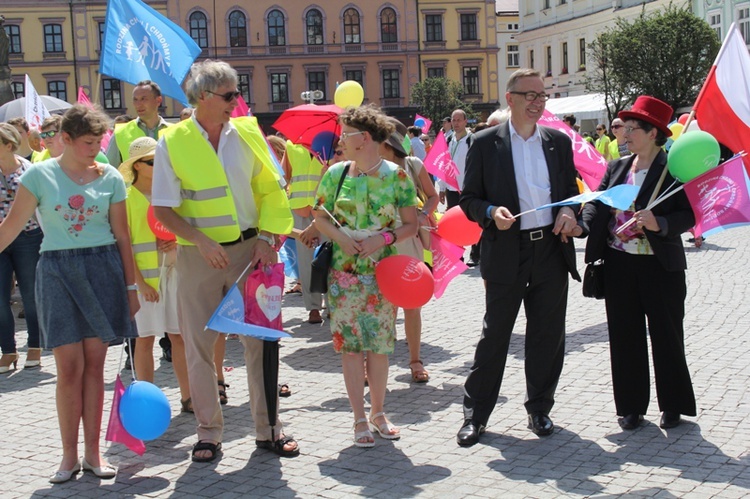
{"x": 351, "y": 26}
{"x": 314, "y": 25}
{"x": 388, "y": 28}
{"x": 199, "y": 29}
{"x": 276, "y": 29}
{"x": 53, "y": 40}
{"x": 237, "y": 29}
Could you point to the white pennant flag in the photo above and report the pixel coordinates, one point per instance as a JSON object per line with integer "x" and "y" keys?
{"x": 35, "y": 110}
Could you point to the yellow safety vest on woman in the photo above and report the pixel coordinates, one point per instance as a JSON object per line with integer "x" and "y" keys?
{"x": 306, "y": 173}
{"x": 207, "y": 202}
{"x": 142, "y": 238}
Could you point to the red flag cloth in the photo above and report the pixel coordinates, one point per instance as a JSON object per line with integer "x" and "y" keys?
{"x": 83, "y": 98}
{"x": 241, "y": 109}
{"x": 116, "y": 432}
{"x": 720, "y": 198}
{"x": 446, "y": 262}
{"x": 723, "y": 105}
{"x": 589, "y": 162}
{"x": 439, "y": 162}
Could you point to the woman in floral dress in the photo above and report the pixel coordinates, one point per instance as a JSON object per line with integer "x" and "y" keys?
{"x": 373, "y": 192}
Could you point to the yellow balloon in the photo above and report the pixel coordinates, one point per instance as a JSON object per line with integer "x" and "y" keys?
{"x": 677, "y": 129}
{"x": 349, "y": 93}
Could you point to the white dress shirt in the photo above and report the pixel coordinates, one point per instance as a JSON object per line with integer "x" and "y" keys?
{"x": 532, "y": 178}
{"x": 239, "y": 164}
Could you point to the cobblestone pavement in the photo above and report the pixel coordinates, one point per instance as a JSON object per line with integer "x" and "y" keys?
{"x": 588, "y": 455}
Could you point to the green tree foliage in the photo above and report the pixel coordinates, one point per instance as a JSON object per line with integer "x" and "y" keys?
{"x": 438, "y": 98}
{"x": 666, "y": 54}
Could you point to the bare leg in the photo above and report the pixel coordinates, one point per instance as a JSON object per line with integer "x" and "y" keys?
{"x": 219, "y": 351}
{"x": 95, "y": 353}
{"x": 180, "y": 365}
{"x": 413, "y": 330}
{"x": 353, "y": 367}
{"x": 377, "y": 374}
{"x": 69, "y": 360}
{"x": 144, "y": 358}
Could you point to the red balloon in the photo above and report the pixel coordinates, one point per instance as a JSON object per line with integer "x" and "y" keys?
{"x": 404, "y": 281}
{"x": 683, "y": 118}
{"x": 157, "y": 227}
{"x": 456, "y": 228}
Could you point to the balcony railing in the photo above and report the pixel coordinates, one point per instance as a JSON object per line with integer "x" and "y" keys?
{"x": 291, "y": 51}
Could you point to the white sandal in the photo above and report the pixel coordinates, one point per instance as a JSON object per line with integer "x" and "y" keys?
{"x": 385, "y": 430}
{"x": 363, "y": 434}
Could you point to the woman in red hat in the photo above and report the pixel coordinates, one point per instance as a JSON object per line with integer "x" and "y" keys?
{"x": 644, "y": 272}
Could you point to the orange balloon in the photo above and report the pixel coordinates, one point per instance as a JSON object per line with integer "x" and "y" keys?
{"x": 404, "y": 281}
{"x": 683, "y": 118}
{"x": 456, "y": 228}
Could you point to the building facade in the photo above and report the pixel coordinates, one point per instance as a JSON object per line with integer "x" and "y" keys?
{"x": 279, "y": 49}
{"x": 720, "y": 14}
{"x": 508, "y": 52}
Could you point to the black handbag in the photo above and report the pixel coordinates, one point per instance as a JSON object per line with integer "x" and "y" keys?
{"x": 593, "y": 280}
{"x": 321, "y": 263}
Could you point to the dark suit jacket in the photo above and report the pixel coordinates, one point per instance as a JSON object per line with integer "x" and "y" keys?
{"x": 674, "y": 214}
{"x": 491, "y": 180}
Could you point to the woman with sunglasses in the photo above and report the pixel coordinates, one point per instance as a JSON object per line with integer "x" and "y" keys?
{"x": 85, "y": 278}
{"x": 373, "y": 193}
{"x": 644, "y": 272}
{"x": 155, "y": 274}
{"x": 20, "y": 257}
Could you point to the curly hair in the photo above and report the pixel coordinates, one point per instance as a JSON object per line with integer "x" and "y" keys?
{"x": 368, "y": 119}
{"x": 82, "y": 120}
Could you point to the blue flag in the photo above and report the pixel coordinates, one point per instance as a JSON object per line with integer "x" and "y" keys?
{"x": 142, "y": 44}
{"x": 619, "y": 196}
{"x": 288, "y": 256}
{"x": 229, "y": 317}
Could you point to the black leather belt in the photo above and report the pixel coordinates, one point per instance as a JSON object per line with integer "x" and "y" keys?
{"x": 244, "y": 235}
{"x": 536, "y": 234}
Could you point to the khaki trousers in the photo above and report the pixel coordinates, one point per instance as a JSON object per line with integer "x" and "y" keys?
{"x": 201, "y": 290}
{"x": 312, "y": 301}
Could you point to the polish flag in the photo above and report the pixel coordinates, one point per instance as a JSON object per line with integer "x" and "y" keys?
{"x": 723, "y": 105}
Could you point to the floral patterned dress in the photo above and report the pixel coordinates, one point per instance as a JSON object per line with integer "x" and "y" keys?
{"x": 361, "y": 319}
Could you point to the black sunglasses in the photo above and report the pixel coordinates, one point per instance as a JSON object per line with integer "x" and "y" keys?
{"x": 149, "y": 162}
{"x": 227, "y": 96}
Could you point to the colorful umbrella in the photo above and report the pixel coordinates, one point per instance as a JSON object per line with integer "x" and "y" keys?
{"x": 301, "y": 124}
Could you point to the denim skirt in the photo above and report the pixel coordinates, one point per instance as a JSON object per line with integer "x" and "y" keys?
{"x": 80, "y": 293}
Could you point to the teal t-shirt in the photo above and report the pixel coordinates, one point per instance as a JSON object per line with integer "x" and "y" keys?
{"x": 73, "y": 215}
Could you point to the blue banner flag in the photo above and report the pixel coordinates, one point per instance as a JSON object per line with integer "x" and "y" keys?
{"x": 229, "y": 317}
{"x": 142, "y": 44}
{"x": 288, "y": 256}
{"x": 619, "y": 196}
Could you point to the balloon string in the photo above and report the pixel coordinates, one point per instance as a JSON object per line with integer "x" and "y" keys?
{"x": 344, "y": 229}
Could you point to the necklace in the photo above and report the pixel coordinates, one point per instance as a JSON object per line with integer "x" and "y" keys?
{"x": 367, "y": 172}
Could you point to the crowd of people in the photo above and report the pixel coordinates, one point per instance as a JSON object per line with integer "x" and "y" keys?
{"x": 92, "y": 271}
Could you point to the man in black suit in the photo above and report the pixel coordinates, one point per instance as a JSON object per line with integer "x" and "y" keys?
{"x": 512, "y": 168}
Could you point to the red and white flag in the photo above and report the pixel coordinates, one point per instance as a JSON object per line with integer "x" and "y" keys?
{"x": 723, "y": 104}
{"x": 439, "y": 162}
{"x": 446, "y": 262}
{"x": 36, "y": 112}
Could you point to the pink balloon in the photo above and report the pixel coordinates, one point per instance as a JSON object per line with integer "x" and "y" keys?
{"x": 456, "y": 228}
{"x": 404, "y": 281}
{"x": 157, "y": 227}
{"x": 683, "y": 118}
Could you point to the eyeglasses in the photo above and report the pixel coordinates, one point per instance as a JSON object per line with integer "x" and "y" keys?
{"x": 425, "y": 140}
{"x": 532, "y": 96}
{"x": 228, "y": 97}
{"x": 48, "y": 135}
{"x": 345, "y": 135}
{"x": 600, "y": 129}
{"x": 629, "y": 129}
{"x": 149, "y": 162}
{"x": 616, "y": 127}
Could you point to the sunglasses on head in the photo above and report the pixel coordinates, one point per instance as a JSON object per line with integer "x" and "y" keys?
{"x": 228, "y": 97}
{"x": 48, "y": 135}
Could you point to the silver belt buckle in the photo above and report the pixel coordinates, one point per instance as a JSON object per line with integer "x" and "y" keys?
{"x": 536, "y": 235}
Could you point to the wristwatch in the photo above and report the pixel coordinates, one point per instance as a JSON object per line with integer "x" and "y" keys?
{"x": 267, "y": 239}
{"x": 132, "y": 287}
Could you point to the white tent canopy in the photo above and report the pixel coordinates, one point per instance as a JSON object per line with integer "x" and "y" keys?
{"x": 583, "y": 107}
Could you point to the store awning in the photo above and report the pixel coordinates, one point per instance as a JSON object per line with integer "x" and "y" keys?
{"x": 583, "y": 107}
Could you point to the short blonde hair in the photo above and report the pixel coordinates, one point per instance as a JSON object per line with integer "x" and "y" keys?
{"x": 518, "y": 74}
{"x": 9, "y": 135}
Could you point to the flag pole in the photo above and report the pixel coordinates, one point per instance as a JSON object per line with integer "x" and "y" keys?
{"x": 98, "y": 86}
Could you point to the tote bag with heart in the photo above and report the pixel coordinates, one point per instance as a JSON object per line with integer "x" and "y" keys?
{"x": 263, "y": 291}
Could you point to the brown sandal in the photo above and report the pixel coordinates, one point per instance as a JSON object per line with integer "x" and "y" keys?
{"x": 223, "y": 399}
{"x": 419, "y": 375}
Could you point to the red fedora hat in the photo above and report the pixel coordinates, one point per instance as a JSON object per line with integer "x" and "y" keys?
{"x": 651, "y": 110}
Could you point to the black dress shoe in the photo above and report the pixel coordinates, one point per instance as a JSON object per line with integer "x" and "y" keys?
{"x": 540, "y": 424}
{"x": 630, "y": 421}
{"x": 469, "y": 433}
{"x": 669, "y": 419}
{"x": 472, "y": 263}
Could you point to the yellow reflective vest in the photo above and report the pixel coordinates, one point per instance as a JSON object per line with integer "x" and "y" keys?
{"x": 306, "y": 173}
{"x": 125, "y": 134}
{"x": 142, "y": 238}
{"x": 207, "y": 202}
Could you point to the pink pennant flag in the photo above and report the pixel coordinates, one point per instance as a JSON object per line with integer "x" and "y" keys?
{"x": 424, "y": 123}
{"x": 105, "y": 140}
{"x": 83, "y": 98}
{"x": 241, "y": 109}
{"x": 589, "y": 162}
{"x": 446, "y": 262}
{"x": 720, "y": 198}
{"x": 116, "y": 432}
{"x": 439, "y": 162}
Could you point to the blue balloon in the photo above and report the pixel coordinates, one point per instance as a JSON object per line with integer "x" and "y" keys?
{"x": 144, "y": 411}
{"x": 419, "y": 122}
{"x": 322, "y": 144}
